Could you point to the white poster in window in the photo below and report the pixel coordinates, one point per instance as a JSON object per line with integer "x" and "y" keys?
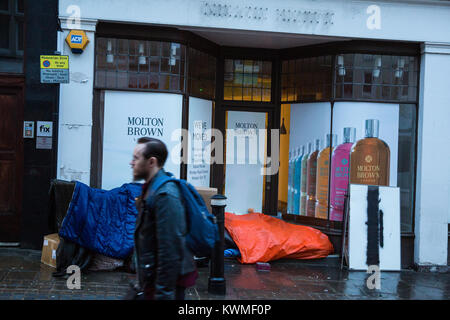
{"x": 354, "y": 114}
{"x": 244, "y": 182}
{"x": 129, "y": 116}
{"x": 198, "y": 168}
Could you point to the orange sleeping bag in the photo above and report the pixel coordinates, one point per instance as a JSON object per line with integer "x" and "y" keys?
{"x": 262, "y": 238}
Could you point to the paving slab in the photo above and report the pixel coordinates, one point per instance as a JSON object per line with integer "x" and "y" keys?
{"x": 23, "y": 277}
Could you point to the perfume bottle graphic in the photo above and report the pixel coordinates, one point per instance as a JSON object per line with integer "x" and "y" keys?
{"x": 311, "y": 180}
{"x": 297, "y": 178}
{"x": 369, "y": 158}
{"x": 290, "y": 182}
{"x": 323, "y": 160}
{"x": 303, "y": 194}
{"x": 340, "y": 165}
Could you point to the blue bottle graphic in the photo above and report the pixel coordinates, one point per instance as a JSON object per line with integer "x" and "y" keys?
{"x": 290, "y": 195}
{"x": 297, "y": 178}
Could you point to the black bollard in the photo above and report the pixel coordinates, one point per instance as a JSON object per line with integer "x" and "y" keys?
{"x": 216, "y": 281}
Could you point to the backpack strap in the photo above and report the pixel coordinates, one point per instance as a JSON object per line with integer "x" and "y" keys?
{"x": 158, "y": 183}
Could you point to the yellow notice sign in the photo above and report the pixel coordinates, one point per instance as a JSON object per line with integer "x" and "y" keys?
{"x": 54, "y": 62}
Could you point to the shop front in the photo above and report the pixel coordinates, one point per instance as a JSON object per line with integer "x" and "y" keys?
{"x": 268, "y": 119}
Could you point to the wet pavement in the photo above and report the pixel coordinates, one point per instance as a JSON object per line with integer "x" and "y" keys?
{"x": 23, "y": 277}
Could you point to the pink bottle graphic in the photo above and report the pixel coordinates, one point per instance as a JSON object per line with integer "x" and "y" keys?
{"x": 340, "y": 172}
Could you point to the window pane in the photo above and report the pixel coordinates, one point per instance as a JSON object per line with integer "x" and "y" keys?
{"x": 133, "y": 80}
{"x": 175, "y": 83}
{"x": 154, "y": 81}
{"x": 4, "y": 5}
{"x": 165, "y": 49}
{"x": 237, "y": 93}
{"x": 155, "y": 48}
{"x": 256, "y": 94}
{"x": 228, "y": 93}
{"x": 143, "y": 64}
{"x": 238, "y": 79}
{"x": 101, "y": 62}
{"x": 175, "y": 68}
{"x": 143, "y": 81}
{"x": 133, "y": 63}
{"x": 122, "y": 80}
{"x": 154, "y": 64}
{"x": 164, "y": 82}
{"x": 247, "y": 94}
{"x": 122, "y": 63}
{"x": 4, "y": 31}
{"x": 122, "y": 46}
{"x": 165, "y": 67}
{"x": 100, "y": 78}
{"x": 20, "y": 6}
{"x": 266, "y": 95}
{"x": 20, "y": 35}
{"x": 138, "y": 64}
{"x": 111, "y": 79}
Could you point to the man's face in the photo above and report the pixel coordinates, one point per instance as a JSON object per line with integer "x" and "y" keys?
{"x": 141, "y": 166}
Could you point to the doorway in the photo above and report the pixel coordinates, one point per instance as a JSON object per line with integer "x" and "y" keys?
{"x": 11, "y": 162}
{"x": 244, "y": 177}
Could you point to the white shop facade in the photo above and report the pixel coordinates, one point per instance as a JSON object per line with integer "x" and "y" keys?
{"x": 287, "y": 73}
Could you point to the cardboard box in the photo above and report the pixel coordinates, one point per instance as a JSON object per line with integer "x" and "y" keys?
{"x": 206, "y": 194}
{"x": 51, "y": 243}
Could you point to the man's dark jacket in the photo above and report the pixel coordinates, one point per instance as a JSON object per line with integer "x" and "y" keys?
{"x": 160, "y": 241}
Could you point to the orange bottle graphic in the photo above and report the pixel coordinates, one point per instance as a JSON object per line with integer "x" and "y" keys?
{"x": 323, "y": 160}
{"x": 311, "y": 172}
{"x": 369, "y": 158}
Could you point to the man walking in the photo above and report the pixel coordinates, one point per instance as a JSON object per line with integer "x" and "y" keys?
{"x": 165, "y": 267}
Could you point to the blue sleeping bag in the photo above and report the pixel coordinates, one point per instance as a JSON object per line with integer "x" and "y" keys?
{"x": 102, "y": 220}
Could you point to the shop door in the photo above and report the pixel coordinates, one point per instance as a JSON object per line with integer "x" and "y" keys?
{"x": 246, "y": 154}
{"x": 11, "y": 163}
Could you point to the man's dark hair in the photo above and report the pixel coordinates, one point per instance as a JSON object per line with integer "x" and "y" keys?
{"x": 154, "y": 148}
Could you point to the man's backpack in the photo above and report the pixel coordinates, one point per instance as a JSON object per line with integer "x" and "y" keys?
{"x": 202, "y": 228}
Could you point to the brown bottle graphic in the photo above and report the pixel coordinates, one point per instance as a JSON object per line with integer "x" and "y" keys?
{"x": 369, "y": 158}
{"x": 311, "y": 172}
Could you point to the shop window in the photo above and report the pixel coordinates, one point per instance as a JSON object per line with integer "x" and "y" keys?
{"x": 376, "y": 77}
{"x": 247, "y": 80}
{"x": 306, "y": 79}
{"x": 11, "y": 36}
{"x": 202, "y": 74}
{"x": 327, "y": 147}
{"x": 138, "y": 64}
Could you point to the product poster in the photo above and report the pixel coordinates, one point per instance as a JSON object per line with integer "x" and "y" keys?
{"x": 129, "y": 116}
{"x": 309, "y": 125}
{"x": 198, "y": 167}
{"x": 244, "y": 182}
{"x": 309, "y": 121}
{"x": 354, "y": 114}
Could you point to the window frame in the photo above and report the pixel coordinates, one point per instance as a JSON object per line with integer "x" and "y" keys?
{"x": 356, "y": 47}
{"x": 14, "y": 17}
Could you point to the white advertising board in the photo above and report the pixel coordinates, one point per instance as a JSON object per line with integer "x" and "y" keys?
{"x": 243, "y": 179}
{"x": 387, "y": 228}
{"x": 198, "y": 168}
{"x": 129, "y": 116}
